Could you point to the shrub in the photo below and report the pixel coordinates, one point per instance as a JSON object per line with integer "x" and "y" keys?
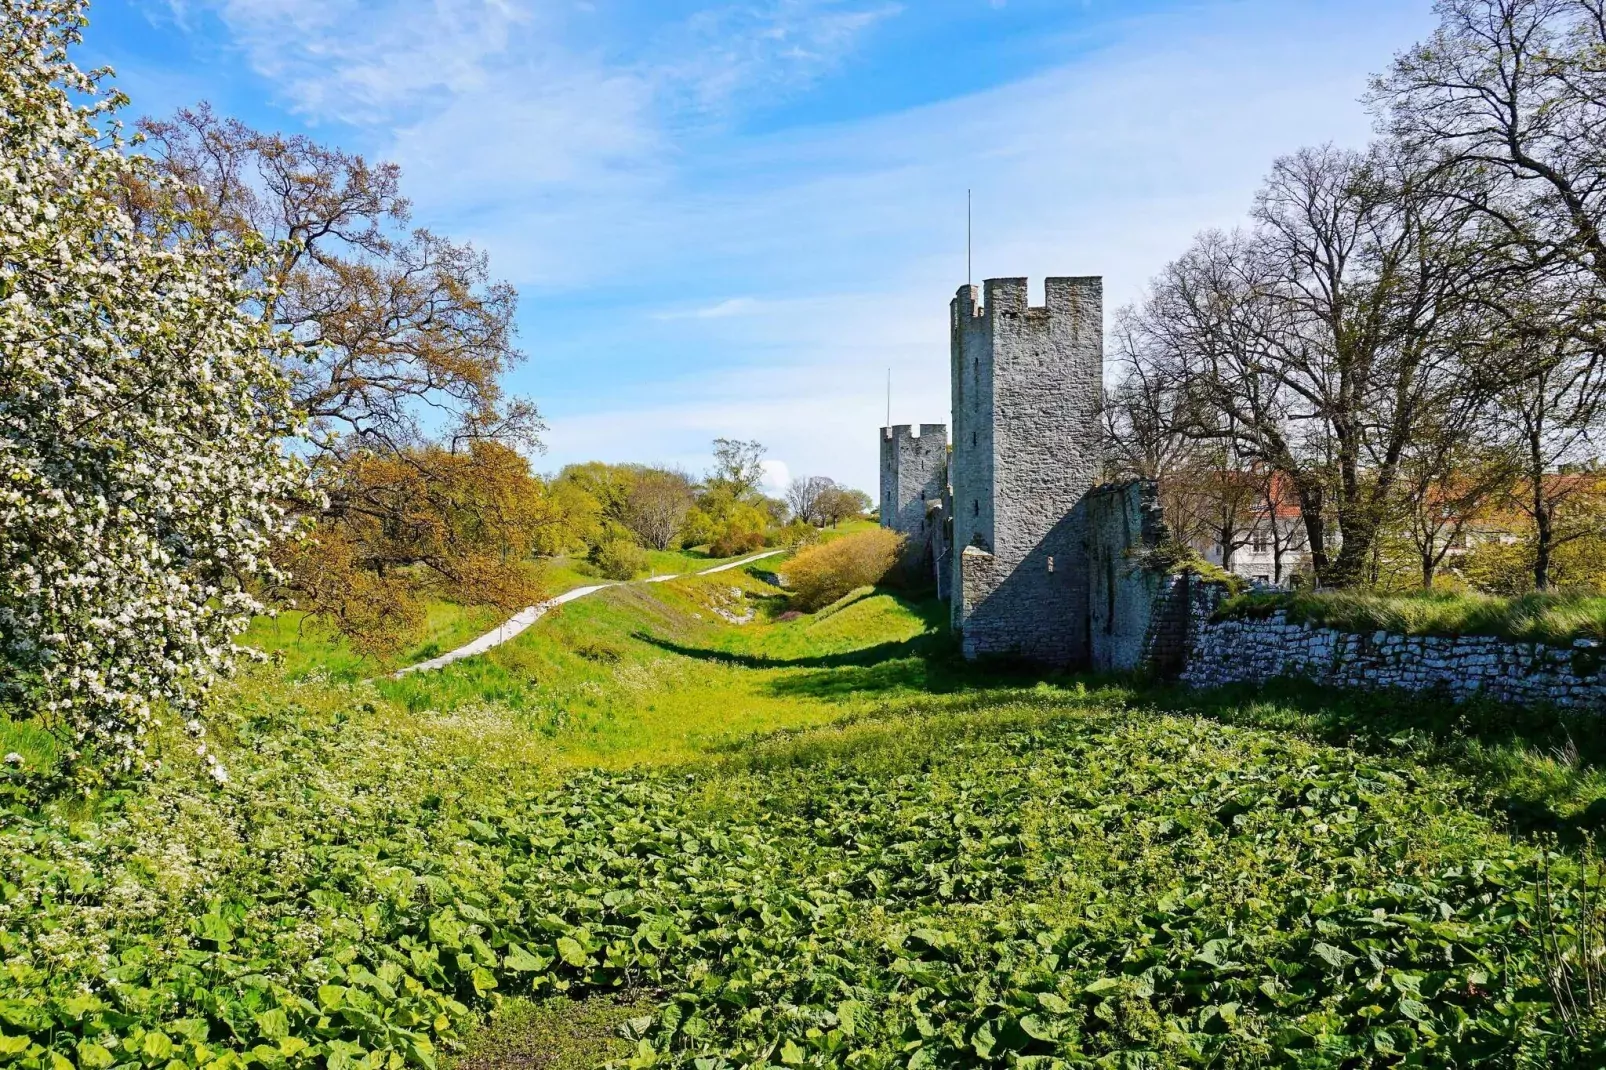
{"x": 141, "y": 473}
{"x": 619, "y": 559}
{"x": 799, "y": 533}
{"x": 731, "y": 543}
{"x": 821, "y": 574}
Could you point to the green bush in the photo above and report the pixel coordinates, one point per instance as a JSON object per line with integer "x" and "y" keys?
{"x": 733, "y": 542}
{"x": 821, "y": 574}
{"x": 619, "y": 559}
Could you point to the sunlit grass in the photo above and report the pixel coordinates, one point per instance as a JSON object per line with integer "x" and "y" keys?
{"x": 650, "y": 672}
{"x": 37, "y": 748}
{"x": 303, "y": 644}
{"x": 781, "y": 712}
{"x": 1544, "y": 618}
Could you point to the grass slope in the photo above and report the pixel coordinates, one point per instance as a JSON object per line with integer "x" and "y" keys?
{"x": 814, "y": 842}
{"x": 654, "y": 673}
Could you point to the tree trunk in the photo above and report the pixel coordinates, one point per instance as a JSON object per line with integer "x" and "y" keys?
{"x": 1354, "y": 556}
{"x": 1544, "y": 530}
{"x": 1544, "y": 533}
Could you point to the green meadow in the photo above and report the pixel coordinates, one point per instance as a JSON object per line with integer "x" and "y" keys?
{"x": 646, "y": 835}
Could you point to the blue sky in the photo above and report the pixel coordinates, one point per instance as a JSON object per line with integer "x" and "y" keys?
{"x": 732, "y": 217}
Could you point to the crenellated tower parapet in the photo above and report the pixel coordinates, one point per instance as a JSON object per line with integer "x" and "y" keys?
{"x": 914, "y": 473}
{"x": 1027, "y": 385}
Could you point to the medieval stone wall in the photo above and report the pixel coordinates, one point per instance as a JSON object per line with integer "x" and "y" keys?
{"x": 1026, "y": 392}
{"x": 1254, "y": 651}
{"x": 914, "y": 473}
{"x": 1124, "y": 523}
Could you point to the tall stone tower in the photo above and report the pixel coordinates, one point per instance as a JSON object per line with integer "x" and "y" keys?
{"x": 914, "y": 471}
{"x": 1026, "y": 395}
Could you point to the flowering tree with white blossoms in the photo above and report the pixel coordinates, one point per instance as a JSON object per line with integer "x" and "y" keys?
{"x": 142, "y": 469}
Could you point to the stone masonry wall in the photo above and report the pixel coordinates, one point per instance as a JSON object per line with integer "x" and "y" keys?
{"x": 1254, "y": 651}
{"x": 914, "y": 473}
{"x": 1124, "y": 520}
{"x": 1026, "y": 394}
{"x": 1182, "y": 609}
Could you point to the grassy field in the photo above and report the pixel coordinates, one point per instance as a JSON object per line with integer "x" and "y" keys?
{"x": 301, "y": 645}
{"x": 645, "y": 833}
{"x": 1543, "y": 618}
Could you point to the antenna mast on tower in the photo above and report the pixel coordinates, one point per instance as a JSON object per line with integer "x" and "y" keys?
{"x": 968, "y": 275}
{"x": 889, "y": 397}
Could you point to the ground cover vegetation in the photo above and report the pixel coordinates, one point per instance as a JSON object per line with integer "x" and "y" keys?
{"x": 1392, "y": 374}
{"x": 928, "y": 864}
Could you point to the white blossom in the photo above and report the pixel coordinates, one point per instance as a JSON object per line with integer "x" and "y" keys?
{"x": 142, "y": 472}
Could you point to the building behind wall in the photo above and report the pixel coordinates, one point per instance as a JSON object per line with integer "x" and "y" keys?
{"x": 1026, "y": 386}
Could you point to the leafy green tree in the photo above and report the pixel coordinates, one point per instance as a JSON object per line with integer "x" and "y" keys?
{"x": 738, "y": 467}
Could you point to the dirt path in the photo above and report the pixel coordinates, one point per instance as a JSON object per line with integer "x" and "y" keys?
{"x": 529, "y": 615}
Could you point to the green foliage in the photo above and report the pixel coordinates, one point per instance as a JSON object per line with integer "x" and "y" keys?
{"x": 1049, "y": 877}
{"x": 744, "y": 531}
{"x": 1175, "y": 557}
{"x": 1533, "y": 617}
{"x": 552, "y": 1034}
{"x": 619, "y": 559}
{"x": 1577, "y": 565}
{"x": 934, "y": 867}
{"x": 303, "y": 645}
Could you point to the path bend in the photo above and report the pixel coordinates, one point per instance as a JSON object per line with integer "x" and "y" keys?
{"x": 530, "y": 614}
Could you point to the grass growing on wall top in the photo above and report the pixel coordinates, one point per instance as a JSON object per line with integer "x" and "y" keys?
{"x": 1544, "y": 618}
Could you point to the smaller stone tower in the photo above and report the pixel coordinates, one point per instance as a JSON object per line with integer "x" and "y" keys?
{"x": 1026, "y": 394}
{"x": 914, "y": 472}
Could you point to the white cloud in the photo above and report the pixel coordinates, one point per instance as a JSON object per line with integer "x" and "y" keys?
{"x": 731, "y": 306}
{"x": 777, "y": 476}
{"x": 603, "y": 184}
{"x": 359, "y": 60}
{"x": 744, "y": 48}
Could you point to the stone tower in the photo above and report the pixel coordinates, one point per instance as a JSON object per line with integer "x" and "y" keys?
{"x": 1026, "y": 394}
{"x": 914, "y": 471}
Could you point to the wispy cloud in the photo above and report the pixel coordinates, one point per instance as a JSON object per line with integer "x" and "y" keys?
{"x": 728, "y": 51}
{"x": 609, "y": 180}
{"x": 731, "y": 306}
{"x": 360, "y": 61}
